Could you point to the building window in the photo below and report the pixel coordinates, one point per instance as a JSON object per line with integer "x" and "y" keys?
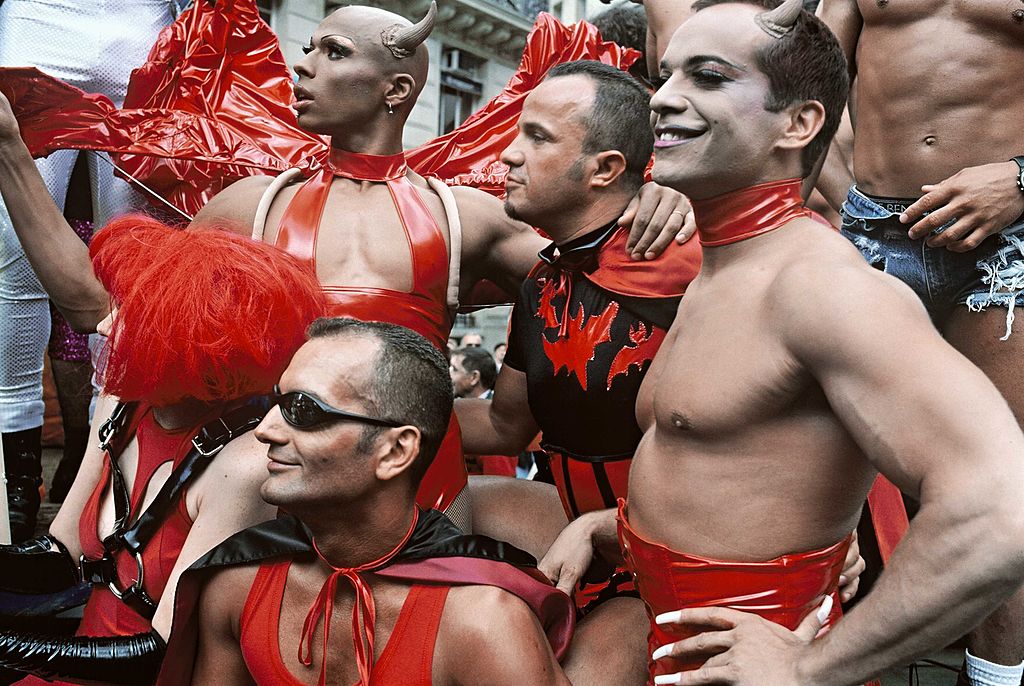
{"x": 460, "y": 86}
{"x": 267, "y": 8}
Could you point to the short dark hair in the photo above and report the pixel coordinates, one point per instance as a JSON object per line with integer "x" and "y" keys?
{"x": 625, "y": 23}
{"x": 806, "y": 64}
{"x": 410, "y": 383}
{"x": 477, "y": 359}
{"x": 619, "y": 118}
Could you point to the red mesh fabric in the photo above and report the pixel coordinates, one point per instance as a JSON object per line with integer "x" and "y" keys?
{"x": 202, "y": 314}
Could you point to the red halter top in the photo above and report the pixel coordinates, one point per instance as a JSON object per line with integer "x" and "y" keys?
{"x": 407, "y": 658}
{"x": 424, "y": 309}
{"x": 105, "y": 615}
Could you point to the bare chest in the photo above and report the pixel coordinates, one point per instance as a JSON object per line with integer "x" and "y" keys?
{"x": 721, "y": 370}
{"x": 365, "y": 236}
{"x": 971, "y": 16}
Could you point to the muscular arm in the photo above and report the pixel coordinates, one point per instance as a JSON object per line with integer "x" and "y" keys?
{"x": 503, "y": 425}
{"x": 58, "y": 256}
{"x": 491, "y": 637}
{"x": 219, "y": 656}
{"x": 226, "y": 499}
{"x": 934, "y": 425}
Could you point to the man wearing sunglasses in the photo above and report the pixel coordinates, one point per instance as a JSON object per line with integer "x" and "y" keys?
{"x": 359, "y": 415}
{"x": 173, "y": 468}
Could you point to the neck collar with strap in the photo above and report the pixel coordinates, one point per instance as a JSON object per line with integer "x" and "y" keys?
{"x": 748, "y": 212}
{"x": 364, "y": 613}
{"x": 579, "y": 254}
{"x": 362, "y": 167}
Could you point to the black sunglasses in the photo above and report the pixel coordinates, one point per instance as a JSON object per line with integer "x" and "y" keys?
{"x": 303, "y": 411}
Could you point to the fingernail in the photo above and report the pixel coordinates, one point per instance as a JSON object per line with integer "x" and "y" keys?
{"x": 650, "y": 255}
{"x": 669, "y": 678}
{"x": 842, "y": 579}
{"x": 903, "y": 217}
{"x": 825, "y": 609}
{"x": 668, "y": 617}
{"x": 637, "y": 256}
{"x": 662, "y": 651}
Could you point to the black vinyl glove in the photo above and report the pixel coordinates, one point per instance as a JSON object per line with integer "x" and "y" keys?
{"x": 42, "y": 565}
{"x": 114, "y": 660}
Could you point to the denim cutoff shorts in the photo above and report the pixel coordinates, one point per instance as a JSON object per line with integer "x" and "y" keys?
{"x": 991, "y": 274}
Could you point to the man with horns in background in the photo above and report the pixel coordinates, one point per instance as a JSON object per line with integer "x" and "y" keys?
{"x": 361, "y": 76}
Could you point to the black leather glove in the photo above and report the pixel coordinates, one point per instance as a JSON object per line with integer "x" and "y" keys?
{"x": 42, "y": 565}
{"x": 114, "y": 660}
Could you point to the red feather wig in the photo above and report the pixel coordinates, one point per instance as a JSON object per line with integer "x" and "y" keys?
{"x": 203, "y": 314}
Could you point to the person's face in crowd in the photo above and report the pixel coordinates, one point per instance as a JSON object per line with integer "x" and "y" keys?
{"x": 325, "y": 463}
{"x": 499, "y": 353}
{"x": 545, "y": 159}
{"x": 712, "y": 131}
{"x": 472, "y": 340}
{"x": 463, "y": 381}
{"x": 341, "y": 75}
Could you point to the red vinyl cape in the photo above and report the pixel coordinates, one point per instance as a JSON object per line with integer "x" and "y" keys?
{"x": 212, "y": 105}
{"x": 437, "y": 552}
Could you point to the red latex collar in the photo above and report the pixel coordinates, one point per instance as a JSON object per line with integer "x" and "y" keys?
{"x": 361, "y": 167}
{"x": 748, "y": 212}
{"x": 364, "y": 613}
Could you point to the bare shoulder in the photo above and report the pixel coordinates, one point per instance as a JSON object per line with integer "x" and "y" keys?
{"x": 828, "y": 294}
{"x": 243, "y": 460}
{"x": 481, "y": 212}
{"x": 485, "y": 609}
{"x": 230, "y": 486}
{"x": 225, "y": 590}
{"x": 503, "y": 636}
{"x": 234, "y": 208}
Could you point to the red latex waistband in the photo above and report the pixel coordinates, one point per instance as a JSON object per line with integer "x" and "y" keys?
{"x": 783, "y": 590}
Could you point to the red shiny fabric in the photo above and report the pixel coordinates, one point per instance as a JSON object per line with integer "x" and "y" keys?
{"x": 748, "y": 212}
{"x": 666, "y": 275}
{"x": 104, "y": 614}
{"x": 407, "y": 659}
{"x": 888, "y": 516}
{"x": 585, "y": 486}
{"x": 424, "y": 308}
{"x": 783, "y": 590}
{"x": 211, "y": 105}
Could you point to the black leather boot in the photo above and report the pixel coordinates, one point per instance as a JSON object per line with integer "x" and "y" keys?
{"x": 76, "y": 440}
{"x": 24, "y": 469}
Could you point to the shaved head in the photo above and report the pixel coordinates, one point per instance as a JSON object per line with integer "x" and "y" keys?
{"x": 369, "y": 28}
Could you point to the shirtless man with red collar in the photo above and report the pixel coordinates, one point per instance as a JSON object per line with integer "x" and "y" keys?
{"x": 784, "y": 386}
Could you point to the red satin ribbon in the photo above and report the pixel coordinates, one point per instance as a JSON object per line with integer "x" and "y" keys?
{"x": 362, "y": 167}
{"x": 748, "y": 212}
{"x": 364, "y": 613}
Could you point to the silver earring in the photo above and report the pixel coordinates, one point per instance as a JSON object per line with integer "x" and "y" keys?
{"x": 391, "y": 110}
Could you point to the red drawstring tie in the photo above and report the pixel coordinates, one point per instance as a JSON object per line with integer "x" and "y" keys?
{"x": 364, "y": 613}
